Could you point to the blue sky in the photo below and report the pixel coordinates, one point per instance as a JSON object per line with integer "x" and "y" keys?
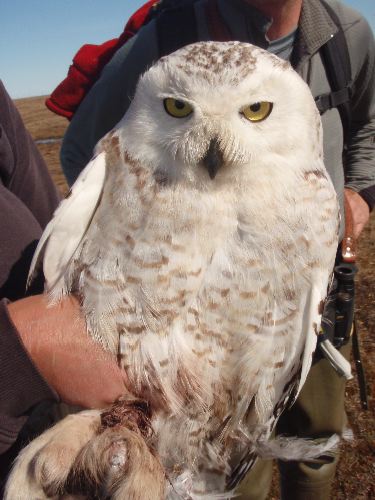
{"x": 38, "y": 38}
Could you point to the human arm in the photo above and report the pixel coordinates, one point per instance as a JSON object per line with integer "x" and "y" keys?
{"x": 56, "y": 339}
{"x": 28, "y": 199}
{"x": 46, "y": 354}
{"x": 360, "y": 154}
{"x": 360, "y": 211}
{"x": 107, "y": 101}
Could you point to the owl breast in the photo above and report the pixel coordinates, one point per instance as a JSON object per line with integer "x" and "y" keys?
{"x": 195, "y": 286}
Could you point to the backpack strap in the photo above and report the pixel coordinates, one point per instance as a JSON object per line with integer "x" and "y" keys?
{"x": 336, "y": 61}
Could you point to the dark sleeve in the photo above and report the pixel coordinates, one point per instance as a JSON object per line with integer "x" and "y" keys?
{"x": 360, "y": 155}
{"x": 21, "y": 385}
{"x": 28, "y": 199}
{"x": 22, "y": 169}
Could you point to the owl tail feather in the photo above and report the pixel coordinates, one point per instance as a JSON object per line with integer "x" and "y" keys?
{"x": 294, "y": 448}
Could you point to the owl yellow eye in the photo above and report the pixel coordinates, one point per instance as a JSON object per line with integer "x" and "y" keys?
{"x": 258, "y": 111}
{"x": 177, "y": 108}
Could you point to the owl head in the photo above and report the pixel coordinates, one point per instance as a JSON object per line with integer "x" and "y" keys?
{"x": 218, "y": 110}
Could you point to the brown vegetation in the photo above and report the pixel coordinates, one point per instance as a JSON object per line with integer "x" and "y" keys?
{"x": 43, "y": 124}
{"x": 355, "y": 478}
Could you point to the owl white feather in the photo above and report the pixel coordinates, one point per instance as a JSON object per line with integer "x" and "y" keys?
{"x": 200, "y": 241}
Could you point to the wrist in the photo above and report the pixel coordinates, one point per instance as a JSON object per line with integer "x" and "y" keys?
{"x": 22, "y": 385}
{"x": 56, "y": 339}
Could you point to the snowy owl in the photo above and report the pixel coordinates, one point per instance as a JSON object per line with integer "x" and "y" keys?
{"x": 200, "y": 241}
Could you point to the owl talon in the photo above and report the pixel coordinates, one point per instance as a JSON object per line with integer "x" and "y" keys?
{"x": 117, "y": 463}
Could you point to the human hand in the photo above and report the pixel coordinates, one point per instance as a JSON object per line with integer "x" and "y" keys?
{"x": 359, "y": 209}
{"x": 55, "y": 337}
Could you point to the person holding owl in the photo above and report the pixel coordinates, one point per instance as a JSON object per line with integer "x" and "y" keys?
{"x": 294, "y": 30}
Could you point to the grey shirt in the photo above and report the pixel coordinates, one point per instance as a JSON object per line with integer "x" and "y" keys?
{"x": 110, "y": 97}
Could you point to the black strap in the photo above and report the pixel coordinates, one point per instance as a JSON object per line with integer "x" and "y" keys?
{"x": 336, "y": 60}
{"x": 360, "y": 369}
{"x": 332, "y": 99}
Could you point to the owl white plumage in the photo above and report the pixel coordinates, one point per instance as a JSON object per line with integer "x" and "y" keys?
{"x": 200, "y": 240}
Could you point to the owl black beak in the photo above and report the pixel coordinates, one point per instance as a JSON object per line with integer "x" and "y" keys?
{"x": 213, "y": 158}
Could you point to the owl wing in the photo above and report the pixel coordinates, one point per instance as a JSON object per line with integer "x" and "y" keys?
{"x": 65, "y": 231}
{"x": 288, "y": 386}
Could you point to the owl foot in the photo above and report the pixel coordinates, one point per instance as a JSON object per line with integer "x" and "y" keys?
{"x": 42, "y": 468}
{"x": 90, "y": 455}
{"x": 117, "y": 463}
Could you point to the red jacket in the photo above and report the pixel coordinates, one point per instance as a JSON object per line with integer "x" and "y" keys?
{"x": 88, "y": 64}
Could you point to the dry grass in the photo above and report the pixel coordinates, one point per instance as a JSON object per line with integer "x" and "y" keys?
{"x": 355, "y": 477}
{"x": 40, "y": 122}
{"x": 43, "y": 124}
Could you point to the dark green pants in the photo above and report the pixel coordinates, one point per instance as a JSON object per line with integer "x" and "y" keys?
{"x": 318, "y": 412}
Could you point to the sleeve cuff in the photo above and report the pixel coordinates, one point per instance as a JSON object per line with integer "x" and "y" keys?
{"x": 368, "y": 195}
